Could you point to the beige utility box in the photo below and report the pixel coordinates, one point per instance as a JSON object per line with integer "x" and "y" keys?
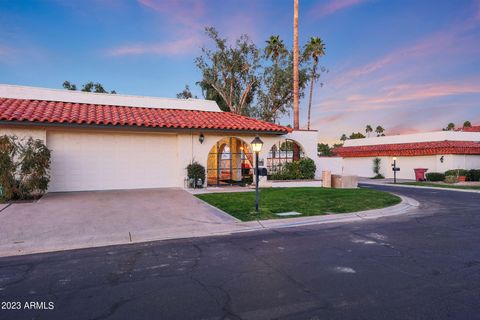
{"x": 326, "y": 179}
{"x": 344, "y": 182}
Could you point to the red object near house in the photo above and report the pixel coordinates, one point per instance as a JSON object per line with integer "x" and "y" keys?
{"x": 420, "y": 174}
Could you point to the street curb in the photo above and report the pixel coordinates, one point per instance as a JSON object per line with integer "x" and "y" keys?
{"x": 407, "y": 204}
{"x": 418, "y": 187}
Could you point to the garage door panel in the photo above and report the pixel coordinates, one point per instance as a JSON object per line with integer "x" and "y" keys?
{"x": 103, "y": 161}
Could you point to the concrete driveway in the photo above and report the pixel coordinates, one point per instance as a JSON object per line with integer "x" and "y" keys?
{"x": 86, "y": 219}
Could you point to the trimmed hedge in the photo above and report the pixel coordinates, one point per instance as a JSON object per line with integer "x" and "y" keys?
{"x": 456, "y": 172}
{"x": 302, "y": 169}
{"x": 435, "y": 176}
{"x": 473, "y": 175}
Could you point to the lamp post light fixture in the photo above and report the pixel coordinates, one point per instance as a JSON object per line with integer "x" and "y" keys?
{"x": 201, "y": 138}
{"x": 394, "y": 165}
{"x": 257, "y": 144}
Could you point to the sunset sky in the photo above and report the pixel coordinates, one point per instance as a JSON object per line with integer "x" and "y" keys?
{"x": 409, "y": 65}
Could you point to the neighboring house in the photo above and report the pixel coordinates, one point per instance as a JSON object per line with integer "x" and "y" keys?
{"x": 103, "y": 141}
{"x": 436, "y": 151}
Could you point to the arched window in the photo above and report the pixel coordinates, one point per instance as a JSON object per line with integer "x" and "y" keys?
{"x": 229, "y": 163}
{"x": 283, "y": 151}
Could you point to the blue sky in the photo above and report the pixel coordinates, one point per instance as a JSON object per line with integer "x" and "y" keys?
{"x": 407, "y": 65}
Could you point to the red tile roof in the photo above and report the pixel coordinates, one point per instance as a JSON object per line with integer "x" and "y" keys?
{"x": 93, "y": 114}
{"x": 411, "y": 149}
{"x": 469, "y": 129}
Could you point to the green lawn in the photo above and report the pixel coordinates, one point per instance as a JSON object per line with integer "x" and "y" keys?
{"x": 308, "y": 201}
{"x": 440, "y": 185}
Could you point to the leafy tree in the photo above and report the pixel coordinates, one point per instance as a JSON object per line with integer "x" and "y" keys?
{"x": 230, "y": 70}
{"x": 275, "y": 95}
{"x": 356, "y": 135}
{"x": 323, "y": 149}
{"x": 368, "y": 130}
{"x": 379, "y": 130}
{"x": 314, "y": 49}
{"x": 450, "y": 127}
{"x": 186, "y": 93}
{"x": 69, "y": 86}
{"x": 467, "y": 124}
{"x": 88, "y": 87}
{"x": 343, "y": 137}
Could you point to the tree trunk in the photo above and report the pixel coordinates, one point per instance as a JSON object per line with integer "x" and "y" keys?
{"x": 296, "y": 124}
{"x": 311, "y": 93}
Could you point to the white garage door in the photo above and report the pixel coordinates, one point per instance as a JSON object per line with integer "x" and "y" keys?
{"x": 104, "y": 161}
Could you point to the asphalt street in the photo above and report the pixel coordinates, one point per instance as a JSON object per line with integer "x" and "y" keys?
{"x": 424, "y": 265}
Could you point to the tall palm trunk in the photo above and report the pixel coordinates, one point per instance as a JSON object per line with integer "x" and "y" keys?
{"x": 314, "y": 69}
{"x": 296, "y": 124}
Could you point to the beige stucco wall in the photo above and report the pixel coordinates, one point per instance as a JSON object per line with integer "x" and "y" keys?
{"x": 24, "y": 132}
{"x": 110, "y": 159}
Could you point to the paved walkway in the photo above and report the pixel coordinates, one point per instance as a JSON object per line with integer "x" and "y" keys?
{"x": 62, "y": 221}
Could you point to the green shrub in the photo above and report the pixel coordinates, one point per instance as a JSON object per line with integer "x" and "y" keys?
{"x": 307, "y": 168}
{"x": 24, "y": 168}
{"x": 450, "y": 179}
{"x": 302, "y": 169}
{"x": 456, "y": 172}
{"x": 377, "y": 165}
{"x": 435, "y": 176}
{"x": 473, "y": 175}
{"x": 8, "y": 167}
{"x": 196, "y": 171}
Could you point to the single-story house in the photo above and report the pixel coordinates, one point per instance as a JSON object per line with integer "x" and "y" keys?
{"x": 436, "y": 151}
{"x": 112, "y": 141}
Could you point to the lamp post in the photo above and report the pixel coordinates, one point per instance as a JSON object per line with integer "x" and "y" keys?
{"x": 257, "y": 144}
{"x": 394, "y": 165}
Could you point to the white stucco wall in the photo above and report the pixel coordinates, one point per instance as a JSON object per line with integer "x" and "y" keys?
{"x": 332, "y": 164}
{"x": 363, "y": 166}
{"x": 87, "y": 159}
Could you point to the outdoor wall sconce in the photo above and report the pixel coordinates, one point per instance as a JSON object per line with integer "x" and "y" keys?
{"x": 441, "y": 159}
{"x": 201, "y": 138}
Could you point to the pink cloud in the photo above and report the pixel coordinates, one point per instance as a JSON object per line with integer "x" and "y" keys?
{"x": 392, "y": 96}
{"x": 188, "y": 13}
{"x": 179, "y": 47}
{"x": 334, "y": 6}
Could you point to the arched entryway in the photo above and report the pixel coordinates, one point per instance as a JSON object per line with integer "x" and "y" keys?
{"x": 285, "y": 150}
{"x": 230, "y": 162}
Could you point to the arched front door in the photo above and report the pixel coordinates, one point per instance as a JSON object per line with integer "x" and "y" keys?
{"x": 230, "y": 162}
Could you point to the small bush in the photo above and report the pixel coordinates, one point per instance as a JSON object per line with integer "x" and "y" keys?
{"x": 307, "y": 168}
{"x": 24, "y": 168}
{"x": 473, "y": 175}
{"x": 435, "y": 176}
{"x": 302, "y": 169}
{"x": 377, "y": 165}
{"x": 196, "y": 171}
{"x": 450, "y": 179}
{"x": 456, "y": 172}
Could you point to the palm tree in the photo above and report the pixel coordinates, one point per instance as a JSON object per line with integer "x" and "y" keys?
{"x": 368, "y": 130}
{"x": 467, "y": 124}
{"x": 380, "y": 131}
{"x": 314, "y": 49}
{"x": 275, "y": 48}
{"x": 296, "y": 115}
